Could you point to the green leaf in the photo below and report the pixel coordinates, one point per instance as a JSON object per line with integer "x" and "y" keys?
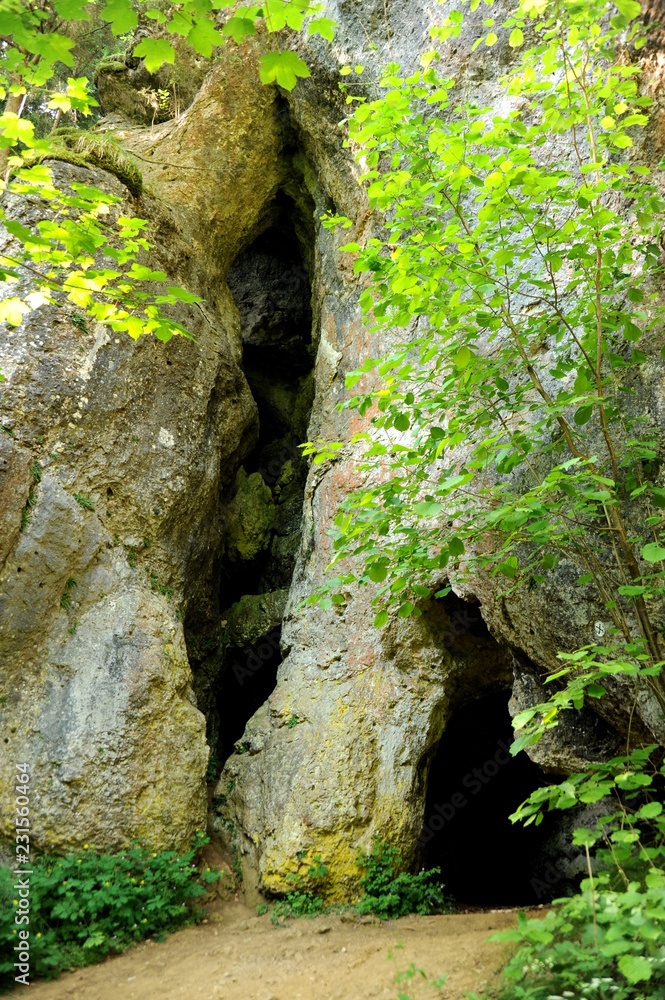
{"x": 582, "y": 837}
{"x": 456, "y": 546}
{"x": 653, "y": 552}
{"x": 427, "y": 508}
{"x": 282, "y": 68}
{"x": 155, "y": 52}
{"x": 583, "y": 415}
{"x": 650, "y": 810}
{"x": 635, "y": 968}
{"x": 629, "y": 8}
{"x": 204, "y": 37}
{"x": 381, "y": 619}
{"x": 121, "y": 16}
{"x": 378, "y": 572}
{"x": 239, "y": 28}
{"x": 72, "y": 10}
{"x": 462, "y": 357}
{"x": 322, "y": 26}
{"x": 405, "y": 609}
{"x": 509, "y": 567}
{"x": 516, "y": 38}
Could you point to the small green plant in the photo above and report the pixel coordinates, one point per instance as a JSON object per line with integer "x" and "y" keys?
{"x": 72, "y": 630}
{"x": 301, "y": 902}
{"x": 79, "y": 322}
{"x": 231, "y": 828}
{"x": 261, "y": 908}
{"x": 221, "y": 799}
{"x": 85, "y": 501}
{"x": 146, "y": 543}
{"x": 85, "y": 906}
{"x": 36, "y": 472}
{"x": 293, "y": 722}
{"x": 410, "y": 978}
{"x": 600, "y": 943}
{"x": 389, "y": 891}
{"x": 213, "y": 767}
{"x": 132, "y": 558}
{"x": 25, "y": 518}
{"x": 66, "y": 599}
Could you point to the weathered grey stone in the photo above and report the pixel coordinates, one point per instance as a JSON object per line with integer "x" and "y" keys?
{"x": 254, "y": 616}
{"x": 98, "y": 685}
{"x": 93, "y": 664}
{"x": 579, "y": 738}
{"x": 250, "y": 517}
{"x": 270, "y": 295}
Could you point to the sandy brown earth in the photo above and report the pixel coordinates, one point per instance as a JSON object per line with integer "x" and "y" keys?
{"x": 236, "y": 955}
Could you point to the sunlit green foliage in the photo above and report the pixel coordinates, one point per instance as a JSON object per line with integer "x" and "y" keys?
{"x": 599, "y": 944}
{"x": 85, "y": 906}
{"x": 389, "y": 891}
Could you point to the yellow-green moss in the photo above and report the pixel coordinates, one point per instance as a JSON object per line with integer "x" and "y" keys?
{"x": 86, "y": 149}
{"x": 110, "y": 64}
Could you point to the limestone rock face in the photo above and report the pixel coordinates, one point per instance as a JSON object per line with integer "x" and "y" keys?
{"x": 371, "y": 706}
{"x": 254, "y": 616}
{"x": 112, "y": 460}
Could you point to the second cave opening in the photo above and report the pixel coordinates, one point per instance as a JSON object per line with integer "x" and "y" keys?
{"x": 473, "y": 785}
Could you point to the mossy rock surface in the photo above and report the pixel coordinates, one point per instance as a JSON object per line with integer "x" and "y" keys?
{"x": 251, "y": 517}
{"x": 254, "y": 616}
{"x": 86, "y": 149}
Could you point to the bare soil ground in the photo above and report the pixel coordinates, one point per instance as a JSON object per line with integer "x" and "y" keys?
{"x": 235, "y": 955}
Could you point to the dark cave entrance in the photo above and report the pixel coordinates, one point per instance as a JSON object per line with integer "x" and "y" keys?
{"x": 248, "y": 679}
{"x": 473, "y": 786}
{"x": 235, "y": 665}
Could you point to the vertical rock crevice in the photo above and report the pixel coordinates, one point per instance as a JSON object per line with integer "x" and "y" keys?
{"x": 233, "y": 634}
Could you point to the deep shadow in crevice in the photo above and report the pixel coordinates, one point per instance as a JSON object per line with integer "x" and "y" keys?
{"x": 473, "y": 785}
{"x": 247, "y": 681}
{"x": 235, "y": 663}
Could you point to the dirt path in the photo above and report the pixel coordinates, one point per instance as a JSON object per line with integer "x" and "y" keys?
{"x": 236, "y": 955}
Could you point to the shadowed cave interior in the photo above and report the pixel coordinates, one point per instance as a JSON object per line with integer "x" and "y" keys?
{"x": 473, "y": 786}
{"x": 234, "y": 641}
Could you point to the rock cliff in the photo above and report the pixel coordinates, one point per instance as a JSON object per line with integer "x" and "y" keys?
{"x": 155, "y": 508}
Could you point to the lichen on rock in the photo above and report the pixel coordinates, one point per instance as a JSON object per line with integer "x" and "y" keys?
{"x": 250, "y": 517}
